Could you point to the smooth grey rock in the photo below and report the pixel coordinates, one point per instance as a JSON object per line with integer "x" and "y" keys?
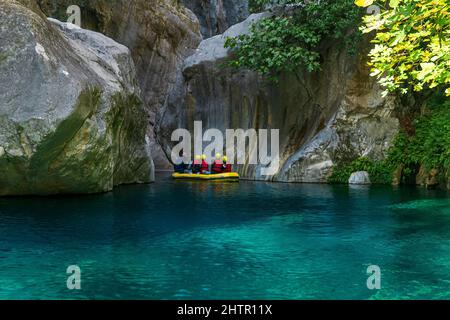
{"x": 160, "y": 35}
{"x": 216, "y": 16}
{"x": 213, "y": 49}
{"x": 313, "y": 161}
{"x": 71, "y": 117}
{"x": 360, "y": 177}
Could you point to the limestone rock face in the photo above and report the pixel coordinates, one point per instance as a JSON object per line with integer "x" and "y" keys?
{"x": 430, "y": 178}
{"x": 160, "y": 35}
{"x": 324, "y": 118}
{"x": 216, "y": 16}
{"x": 422, "y": 176}
{"x": 433, "y": 178}
{"x": 360, "y": 177}
{"x": 71, "y": 116}
{"x": 363, "y": 125}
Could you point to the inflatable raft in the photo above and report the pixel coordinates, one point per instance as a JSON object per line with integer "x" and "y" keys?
{"x": 227, "y": 176}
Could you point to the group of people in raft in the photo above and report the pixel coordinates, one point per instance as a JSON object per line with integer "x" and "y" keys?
{"x": 200, "y": 166}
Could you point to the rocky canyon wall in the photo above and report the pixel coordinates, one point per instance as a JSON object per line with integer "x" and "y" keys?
{"x": 160, "y": 35}
{"x": 216, "y": 16}
{"x": 323, "y": 117}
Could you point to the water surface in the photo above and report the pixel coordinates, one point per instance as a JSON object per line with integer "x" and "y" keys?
{"x": 200, "y": 240}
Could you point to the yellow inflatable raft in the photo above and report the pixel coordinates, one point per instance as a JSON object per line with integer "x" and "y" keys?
{"x": 227, "y": 176}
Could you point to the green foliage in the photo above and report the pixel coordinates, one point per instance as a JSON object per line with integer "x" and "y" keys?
{"x": 286, "y": 43}
{"x": 412, "y": 44}
{"x": 274, "y": 47}
{"x": 429, "y": 146}
{"x": 379, "y": 172}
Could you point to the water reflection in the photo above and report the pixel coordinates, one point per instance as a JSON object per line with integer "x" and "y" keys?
{"x": 199, "y": 240}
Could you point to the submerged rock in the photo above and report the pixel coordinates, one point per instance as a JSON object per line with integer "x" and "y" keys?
{"x": 71, "y": 117}
{"x": 360, "y": 177}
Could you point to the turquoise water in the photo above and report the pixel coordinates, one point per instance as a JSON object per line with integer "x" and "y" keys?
{"x": 197, "y": 240}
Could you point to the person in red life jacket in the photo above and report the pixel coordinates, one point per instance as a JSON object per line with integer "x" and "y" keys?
{"x": 204, "y": 168}
{"x": 217, "y": 165}
{"x": 197, "y": 164}
{"x": 226, "y": 167}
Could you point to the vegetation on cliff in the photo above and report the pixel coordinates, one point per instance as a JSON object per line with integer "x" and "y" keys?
{"x": 410, "y": 53}
{"x": 379, "y": 172}
{"x": 291, "y": 41}
{"x": 428, "y": 148}
{"x": 411, "y": 44}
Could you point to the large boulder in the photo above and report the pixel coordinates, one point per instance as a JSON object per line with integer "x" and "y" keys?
{"x": 327, "y": 117}
{"x": 359, "y": 177}
{"x": 71, "y": 116}
{"x": 160, "y": 35}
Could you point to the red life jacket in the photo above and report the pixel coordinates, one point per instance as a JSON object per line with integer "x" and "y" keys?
{"x": 227, "y": 167}
{"x": 217, "y": 166}
{"x": 204, "y": 168}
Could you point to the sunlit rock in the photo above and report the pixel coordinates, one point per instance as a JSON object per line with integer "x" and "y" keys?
{"x": 360, "y": 177}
